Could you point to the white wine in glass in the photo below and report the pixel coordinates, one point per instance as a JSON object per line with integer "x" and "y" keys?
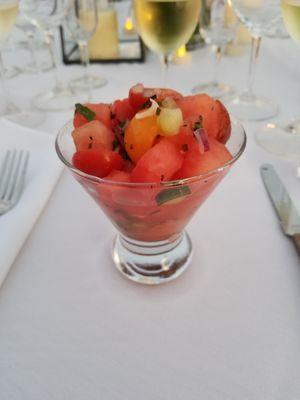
{"x": 8, "y": 15}
{"x": 165, "y": 25}
{"x": 285, "y": 140}
{"x": 291, "y": 16}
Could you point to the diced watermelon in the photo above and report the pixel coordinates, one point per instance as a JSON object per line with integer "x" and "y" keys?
{"x": 196, "y": 163}
{"x": 118, "y": 176}
{"x": 185, "y": 139}
{"x": 163, "y": 93}
{"x": 216, "y": 120}
{"x": 121, "y": 111}
{"x": 159, "y": 163}
{"x": 138, "y": 95}
{"x": 102, "y": 111}
{"x": 98, "y": 162}
{"x": 92, "y": 135}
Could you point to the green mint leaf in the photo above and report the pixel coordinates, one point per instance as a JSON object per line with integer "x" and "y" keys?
{"x": 168, "y": 195}
{"x": 86, "y": 112}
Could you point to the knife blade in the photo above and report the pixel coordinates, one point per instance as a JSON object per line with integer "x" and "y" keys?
{"x": 287, "y": 213}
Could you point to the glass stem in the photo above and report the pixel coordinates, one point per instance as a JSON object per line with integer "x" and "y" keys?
{"x": 218, "y": 55}
{"x": 165, "y": 63}
{"x": 9, "y": 106}
{"x": 49, "y": 36}
{"x": 84, "y": 55}
{"x": 255, "y": 47}
{"x": 30, "y": 38}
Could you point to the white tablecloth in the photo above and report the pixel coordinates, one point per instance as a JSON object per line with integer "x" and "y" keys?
{"x": 71, "y": 327}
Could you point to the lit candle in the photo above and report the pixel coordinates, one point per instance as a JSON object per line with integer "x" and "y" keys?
{"x": 181, "y": 52}
{"x": 105, "y": 42}
{"x": 182, "y": 56}
{"x": 128, "y": 27}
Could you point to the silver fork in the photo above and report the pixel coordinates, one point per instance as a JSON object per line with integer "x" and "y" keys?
{"x": 12, "y": 177}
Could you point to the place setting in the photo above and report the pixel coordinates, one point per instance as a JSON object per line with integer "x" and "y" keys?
{"x": 149, "y": 199}
{"x": 107, "y": 131}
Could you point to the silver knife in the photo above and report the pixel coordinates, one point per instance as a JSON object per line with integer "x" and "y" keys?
{"x": 285, "y": 209}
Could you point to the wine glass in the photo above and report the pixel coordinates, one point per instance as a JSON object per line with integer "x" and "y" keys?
{"x": 285, "y": 141}
{"x": 48, "y": 15}
{"x": 29, "y": 118}
{"x": 30, "y": 32}
{"x": 260, "y": 17}
{"x": 216, "y": 34}
{"x": 82, "y": 20}
{"x": 164, "y": 26}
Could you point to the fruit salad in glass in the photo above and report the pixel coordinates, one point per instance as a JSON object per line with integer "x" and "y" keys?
{"x": 150, "y": 160}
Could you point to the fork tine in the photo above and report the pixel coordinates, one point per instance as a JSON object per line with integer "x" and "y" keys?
{"x": 14, "y": 176}
{"x": 3, "y": 168}
{"x": 7, "y": 172}
{"x": 19, "y": 183}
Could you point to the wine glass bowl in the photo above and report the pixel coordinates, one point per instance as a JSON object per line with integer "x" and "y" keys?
{"x": 165, "y": 25}
{"x": 151, "y": 245}
{"x": 47, "y": 15}
{"x": 259, "y": 16}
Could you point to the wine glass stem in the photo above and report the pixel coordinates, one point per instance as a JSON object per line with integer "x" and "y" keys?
{"x": 8, "y": 104}
{"x": 30, "y": 39}
{"x": 84, "y": 55}
{"x": 218, "y": 55}
{"x": 255, "y": 47}
{"x": 165, "y": 62}
{"x": 298, "y": 170}
{"x": 51, "y": 43}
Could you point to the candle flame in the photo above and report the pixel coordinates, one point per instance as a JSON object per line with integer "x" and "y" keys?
{"x": 128, "y": 24}
{"x": 181, "y": 52}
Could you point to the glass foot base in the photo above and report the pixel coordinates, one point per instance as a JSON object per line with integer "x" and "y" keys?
{"x": 87, "y": 82}
{"x": 58, "y": 100}
{"x": 35, "y": 69}
{"x": 248, "y": 107}
{"x": 11, "y": 72}
{"x": 152, "y": 263}
{"x": 294, "y": 127}
{"x": 214, "y": 89}
{"x": 282, "y": 141}
{"x": 25, "y": 117}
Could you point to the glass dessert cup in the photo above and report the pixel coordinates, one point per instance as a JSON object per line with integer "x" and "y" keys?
{"x": 151, "y": 246}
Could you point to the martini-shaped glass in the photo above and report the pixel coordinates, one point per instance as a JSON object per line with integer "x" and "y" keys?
{"x": 151, "y": 245}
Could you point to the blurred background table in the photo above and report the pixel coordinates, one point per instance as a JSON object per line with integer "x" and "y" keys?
{"x": 71, "y": 327}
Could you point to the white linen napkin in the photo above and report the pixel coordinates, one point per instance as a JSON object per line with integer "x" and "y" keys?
{"x": 43, "y": 172}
